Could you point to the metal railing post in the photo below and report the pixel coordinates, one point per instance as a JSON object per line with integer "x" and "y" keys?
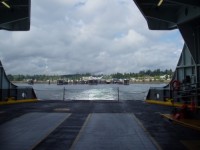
{"x": 64, "y": 94}
{"x": 118, "y": 93}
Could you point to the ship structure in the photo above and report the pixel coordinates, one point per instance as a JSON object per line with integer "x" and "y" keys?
{"x": 14, "y": 16}
{"x": 102, "y": 125}
{"x": 184, "y": 16}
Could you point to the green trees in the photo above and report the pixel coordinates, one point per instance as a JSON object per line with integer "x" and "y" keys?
{"x": 143, "y": 73}
{"x": 156, "y": 74}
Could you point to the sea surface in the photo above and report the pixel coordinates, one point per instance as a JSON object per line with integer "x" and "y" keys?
{"x": 92, "y": 92}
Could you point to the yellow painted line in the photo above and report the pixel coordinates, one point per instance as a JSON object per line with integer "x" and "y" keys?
{"x": 191, "y": 123}
{"x": 18, "y": 101}
{"x": 61, "y": 109}
{"x": 165, "y": 103}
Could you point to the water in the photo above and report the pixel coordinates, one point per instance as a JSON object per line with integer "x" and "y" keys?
{"x": 92, "y": 92}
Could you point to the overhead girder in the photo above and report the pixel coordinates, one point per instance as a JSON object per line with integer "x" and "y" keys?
{"x": 184, "y": 15}
{"x": 17, "y": 17}
{"x": 187, "y": 13}
{"x": 170, "y": 12}
{"x": 161, "y": 14}
{"x": 11, "y": 15}
{"x": 155, "y": 24}
{"x": 191, "y": 34}
{"x": 195, "y": 3}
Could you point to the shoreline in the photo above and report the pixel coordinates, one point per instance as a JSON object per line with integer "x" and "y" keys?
{"x": 134, "y": 82}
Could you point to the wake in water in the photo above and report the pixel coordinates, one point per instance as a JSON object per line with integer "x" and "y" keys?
{"x": 92, "y": 92}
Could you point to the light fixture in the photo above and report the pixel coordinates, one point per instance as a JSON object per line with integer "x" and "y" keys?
{"x": 5, "y": 4}
{"x": 160, "y": 3}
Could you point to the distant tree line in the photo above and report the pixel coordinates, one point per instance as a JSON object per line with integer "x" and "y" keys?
{"x": 78, "y": 76}
{"x": 143, "y": 73}
{"x": 46, "y": 77}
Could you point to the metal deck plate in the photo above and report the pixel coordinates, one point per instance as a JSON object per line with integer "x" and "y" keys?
{"x": 28, "y": 130}
{"x": 113, "y": 132}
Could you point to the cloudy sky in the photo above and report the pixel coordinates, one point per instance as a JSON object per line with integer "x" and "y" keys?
{"x": 80, "y": 36}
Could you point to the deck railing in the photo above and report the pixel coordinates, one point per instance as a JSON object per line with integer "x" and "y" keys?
{"x": 89, "y": 94}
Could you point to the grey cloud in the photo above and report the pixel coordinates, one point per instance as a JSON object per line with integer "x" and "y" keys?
{"x": 79, "y": 36}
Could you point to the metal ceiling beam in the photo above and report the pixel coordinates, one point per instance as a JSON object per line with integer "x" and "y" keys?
{"x": 168, "y": 13}
{"x": 161, "y": 14}
{"x": 17, "y": 18}
{"x": 155, "y": 24}
{"x": 195, "y": 3}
